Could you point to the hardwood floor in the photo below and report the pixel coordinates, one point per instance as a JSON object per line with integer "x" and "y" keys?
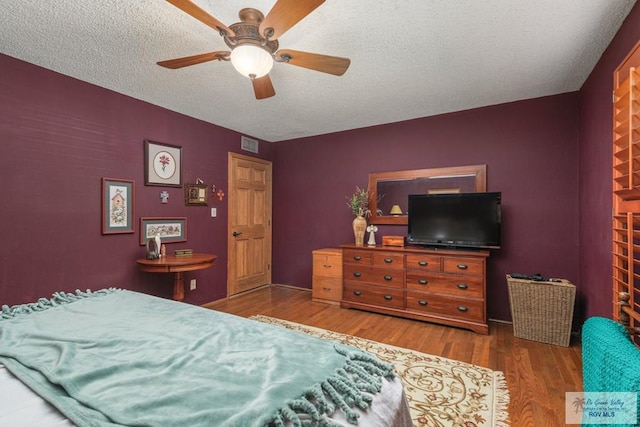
{"x": 537, "y": 374}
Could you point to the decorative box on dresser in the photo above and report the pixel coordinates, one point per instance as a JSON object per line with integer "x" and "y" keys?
{"x": 435, "y": 285}
{"x": 327, "y": 275}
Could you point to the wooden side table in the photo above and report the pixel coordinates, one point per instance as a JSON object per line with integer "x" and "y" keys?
{"x": 177, "y": 265}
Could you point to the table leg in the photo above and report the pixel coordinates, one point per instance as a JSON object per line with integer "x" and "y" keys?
{"x": 178, "y": 286}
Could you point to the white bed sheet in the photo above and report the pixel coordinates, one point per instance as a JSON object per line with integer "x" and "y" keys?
{"x": 21, "y": 407}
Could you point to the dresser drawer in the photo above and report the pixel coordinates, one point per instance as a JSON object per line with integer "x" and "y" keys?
{"x": 462, "y": 286}
{"x": 424, "y": 262}
{"x": 374, "y": 276}
{"x": 355, "y": 256}
{"x": 327, "y": 265}
{"x": 375, "y": 295}
{"x": 463, "y": 266}
{"x": 469, "y": 309}
{"x": 388, "y": 260}
{"x": 326, "y": 288}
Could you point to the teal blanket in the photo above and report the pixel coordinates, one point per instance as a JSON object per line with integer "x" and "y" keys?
{"x": 121, "y": 358}
{"x": 610, "y": 360}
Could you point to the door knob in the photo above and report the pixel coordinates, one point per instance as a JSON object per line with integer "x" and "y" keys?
{"x": 236, "y": 234}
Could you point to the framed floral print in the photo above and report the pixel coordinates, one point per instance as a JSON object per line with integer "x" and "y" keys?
{"x": 162, "y": 164}
{"x": 118, "y": 204}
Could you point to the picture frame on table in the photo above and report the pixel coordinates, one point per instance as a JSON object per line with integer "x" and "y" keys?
{"x": 170, "y": 230}
{"x": 118, "y": 206}
{"x": 162, "y": 164}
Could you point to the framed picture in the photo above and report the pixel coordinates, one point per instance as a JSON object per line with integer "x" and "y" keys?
{"x": 169, "y": 229}
{"x": 162, "y": 164}
{"x": 118, "y": 201}
{"x": 195, "y": 194}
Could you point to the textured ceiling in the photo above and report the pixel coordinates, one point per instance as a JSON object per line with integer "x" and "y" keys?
{"x": 409, "y": 58}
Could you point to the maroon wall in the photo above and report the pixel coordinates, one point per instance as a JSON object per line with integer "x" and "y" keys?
{"x": 595, "y": 166}
{"x": 59, "y": 137}
{"x": 529, "y": 147}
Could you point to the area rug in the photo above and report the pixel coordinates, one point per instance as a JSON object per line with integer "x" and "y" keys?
{"x": 441, "y": 392}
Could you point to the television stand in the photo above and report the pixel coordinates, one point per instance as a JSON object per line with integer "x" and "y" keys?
{"x": 435, "y": 285}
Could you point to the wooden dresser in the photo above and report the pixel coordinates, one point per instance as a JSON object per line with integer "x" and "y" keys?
{"x": 436, "y": 285}
{"x": 327, "y": 275}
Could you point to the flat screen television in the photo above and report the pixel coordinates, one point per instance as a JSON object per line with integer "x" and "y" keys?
{"x": 460, "y": 220}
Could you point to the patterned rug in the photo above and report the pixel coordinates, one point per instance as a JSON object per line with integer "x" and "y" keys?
{"x": 441, "y": 392}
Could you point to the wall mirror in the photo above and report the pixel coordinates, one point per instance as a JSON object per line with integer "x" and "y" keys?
{"x": 389, "y": 191}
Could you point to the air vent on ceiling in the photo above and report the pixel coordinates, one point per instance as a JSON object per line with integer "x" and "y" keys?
{"x": 248, "y": 144}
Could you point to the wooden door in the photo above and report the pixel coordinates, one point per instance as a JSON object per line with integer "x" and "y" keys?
{"x": 249, "y": 228}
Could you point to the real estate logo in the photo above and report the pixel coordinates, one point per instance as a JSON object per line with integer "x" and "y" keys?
{"x": 601, "y": 408}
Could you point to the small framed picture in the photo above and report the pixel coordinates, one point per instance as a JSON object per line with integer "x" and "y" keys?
{"x": 162, "y": 164}
{"x": 118, "y": 202}
{"x": 170, "y": 230}
{"x": 195, "y": 194}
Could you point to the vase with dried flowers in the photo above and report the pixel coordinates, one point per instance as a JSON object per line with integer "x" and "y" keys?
{"x": 359, "y": 204}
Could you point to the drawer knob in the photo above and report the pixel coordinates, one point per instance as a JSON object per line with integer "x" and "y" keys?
{"x": 388, "y": 297}
{"x": 357, "y": 257}
{"x": 357, "y": 274}
{"x": 327, "y": 266}
{"x": 357, "y": 293}
{"x": 388, "y": 260}
{"x": 463, "y": 266}
{"x": 462, "y": 286}
{"x": 423, "y": 263}
{"x": 462, "y": 308}
{"x": 423, "y": 281}
{"x": 388, "y": 278}
{"x": 422, "y": 302}
{"x": 326, "y": 289}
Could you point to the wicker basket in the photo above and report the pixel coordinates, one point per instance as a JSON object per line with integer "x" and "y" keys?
{"x": 542, "y": 311}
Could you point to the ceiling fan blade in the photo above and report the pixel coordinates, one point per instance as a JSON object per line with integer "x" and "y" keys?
{"x": 195, "y": 59}
{"x": 284, "y": 15}
{"x": 326, "y": 64}
{"x": 263, "y": 88}
{"x": 192, "y": 9}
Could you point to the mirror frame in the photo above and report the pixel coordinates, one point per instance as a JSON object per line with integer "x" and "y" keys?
{"x": 479, "y": 172}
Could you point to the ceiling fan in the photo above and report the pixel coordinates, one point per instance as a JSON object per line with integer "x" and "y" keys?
{"x": 254, "y": 43}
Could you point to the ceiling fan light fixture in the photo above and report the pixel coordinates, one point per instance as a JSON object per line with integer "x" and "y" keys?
{"x": 251, "y": 61}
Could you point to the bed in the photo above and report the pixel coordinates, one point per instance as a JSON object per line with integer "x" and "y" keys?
{"x": 120, "y": 358}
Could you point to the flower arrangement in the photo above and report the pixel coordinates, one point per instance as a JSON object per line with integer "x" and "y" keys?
{"x": 359, "y": 202}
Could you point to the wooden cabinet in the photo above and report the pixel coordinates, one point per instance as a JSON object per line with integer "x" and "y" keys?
{"x": 327, "y": 275}
{"x": 435, "y": 285}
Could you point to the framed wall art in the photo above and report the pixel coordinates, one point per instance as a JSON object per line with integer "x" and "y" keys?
{"x": 162, "y": 164}
{"x": 118, "y": 204}
{"x": 170, "y": 230}
{"x": 195, "y": 194}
